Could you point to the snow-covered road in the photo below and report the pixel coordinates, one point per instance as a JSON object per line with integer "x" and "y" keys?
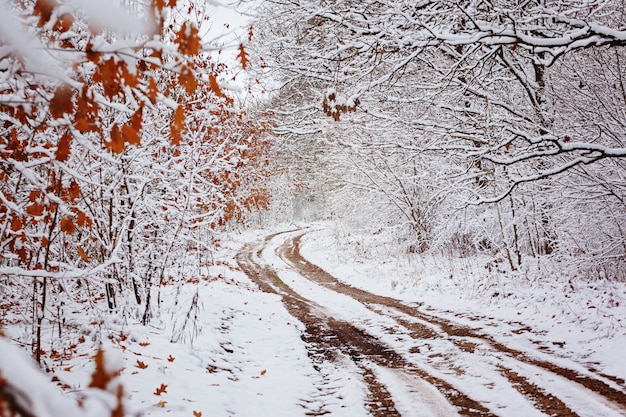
{"x": 414, "y": 361}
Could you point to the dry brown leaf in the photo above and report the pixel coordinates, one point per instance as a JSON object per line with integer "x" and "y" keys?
{"x": 160, "y": 390}
{"x": 61, "y": 102}
{"x": 82, "y": 254}
{"x": 63, "y": 148}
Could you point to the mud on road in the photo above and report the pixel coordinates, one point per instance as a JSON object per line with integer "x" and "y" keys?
{"x": 439, "y": 381}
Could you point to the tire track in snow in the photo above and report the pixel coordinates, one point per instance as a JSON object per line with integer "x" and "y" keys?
{"x": 328, "y": 337}
{"x": 465, "y": 338}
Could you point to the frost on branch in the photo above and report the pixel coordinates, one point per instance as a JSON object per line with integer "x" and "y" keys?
{"x": 334, "y": 105}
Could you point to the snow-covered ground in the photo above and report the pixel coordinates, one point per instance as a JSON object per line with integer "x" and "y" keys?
{"x": 238, "y": 352}
{"x": 543, "y": 308}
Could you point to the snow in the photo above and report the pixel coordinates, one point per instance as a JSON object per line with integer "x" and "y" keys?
{"x": 244, "y": 354}
{"x": 578, "y": 321}
{"x": 109, "y": 15}
{"x": 42, "y": 399}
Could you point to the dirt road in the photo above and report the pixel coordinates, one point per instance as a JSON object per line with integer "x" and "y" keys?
{"x": 416, "y": 363}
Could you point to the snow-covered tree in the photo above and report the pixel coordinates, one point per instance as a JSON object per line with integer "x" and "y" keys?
{"x": 120, "y": 151}
{"x": 523, "y": 98}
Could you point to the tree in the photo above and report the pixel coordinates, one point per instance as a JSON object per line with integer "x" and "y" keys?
{"x": 491, "y": 87}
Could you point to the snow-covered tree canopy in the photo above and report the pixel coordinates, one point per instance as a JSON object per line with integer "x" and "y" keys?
{"x": 497, "y": 96}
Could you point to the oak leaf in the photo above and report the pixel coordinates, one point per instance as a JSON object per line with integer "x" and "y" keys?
{"x": 64, "y": 23}
{"x": 67, "y": 225}
{"x": 130, "y": 78}
{"x": 153, "y": 90}
{"x": 141, "y": 365}
{"x": 187, "y": 80}
{"x": 73, "y": 191}
{"x": 215, "y": 87}
{"x": 86, "y": 113}
{"x": 35, "y": 209}
{"x": 177, "y": 126}
{"x": 243, "y": 57}
{"x": 82, "y": 254}
{"x": 61, "y": 102}
{"x": 116, "y": 140}
{"x": 107, "y": 73}
{"x": 16, "y": 224}
{"x": 160, "y": 390}
{"x": 130, "y": 135}
{"x": 100, "y": 377}
{"x": 63, "y": 148}
{"x": 188, "y": 40}
{"x": 82, "y": 219}
{"x": 197, "y": 413}
{"x": 44, "y": 9}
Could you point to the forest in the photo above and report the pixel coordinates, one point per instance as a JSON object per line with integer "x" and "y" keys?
{"x": 136, "y": 142}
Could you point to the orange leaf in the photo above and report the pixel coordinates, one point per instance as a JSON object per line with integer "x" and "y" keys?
{"x": 141, "y": 365}
{"x": 44, "y": 9}
{"x": 33, "y": 196}
{"x": 82, "y": 219}
{"x": 116, "y": 143}
{"x": 158, "y": 4}
{"x": 108, "y": 75}
{"x": 73, "y": 191}
{"x": 64, "y": 23}
{"x": 130, "y": 79}
{"x": 67, "y": 225}
{"x": 188, "y": 40}
{"x": 160, "y": 390}
{"x": 61, "y": 102}
{"x": 130, "y": 135}
{"x": 197, "y": 414}
{"x": 16, "y": 224}
{"x": 100, "y": 377}
{"x": 35, "y": 209}
{"x": 63, "y": 148}
{"x": 187, "y": 80}
{"x": 214, "y": 85}
{"x": 131, "y": 132}
{"x": 243, "y": 57}
{"x": 82, "y": 254}
{"x": 161, "y": 404}
{"x": 153, "y": 90}
{"x": 171, "y": 358}
{"x": 86, "y": 113}
{"x": 136, "y": 120}
{"x": 177, "y": 126}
